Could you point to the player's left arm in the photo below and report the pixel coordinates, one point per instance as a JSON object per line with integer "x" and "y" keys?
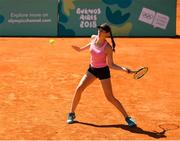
{"x": 110, "y": 61}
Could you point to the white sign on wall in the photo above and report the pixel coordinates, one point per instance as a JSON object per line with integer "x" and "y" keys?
{"x": 156, "y": 19}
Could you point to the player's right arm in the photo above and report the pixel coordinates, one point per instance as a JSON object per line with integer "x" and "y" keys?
{"x": 79, "y": 49}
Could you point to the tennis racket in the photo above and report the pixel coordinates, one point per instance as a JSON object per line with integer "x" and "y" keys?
{"x": 140, "y": 72}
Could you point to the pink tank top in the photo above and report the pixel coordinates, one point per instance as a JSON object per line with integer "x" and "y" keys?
{"x": 98, "y": 56}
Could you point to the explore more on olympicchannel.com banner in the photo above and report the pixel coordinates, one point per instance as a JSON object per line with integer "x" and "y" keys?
{"x": 28, "y": 17}
{"x": 126, "y": 17}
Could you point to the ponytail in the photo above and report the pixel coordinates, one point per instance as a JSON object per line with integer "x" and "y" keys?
{"x": 113, "y": 42}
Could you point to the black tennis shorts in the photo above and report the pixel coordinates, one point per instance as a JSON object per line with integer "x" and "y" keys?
{"x": 101, "y": 73}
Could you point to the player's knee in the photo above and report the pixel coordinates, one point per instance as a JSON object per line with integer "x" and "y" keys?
{"x": 80, "y": 89}
{"x": 110, "y": 98}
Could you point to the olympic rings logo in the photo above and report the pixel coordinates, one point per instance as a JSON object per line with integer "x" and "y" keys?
{"x": 147, "y": 15}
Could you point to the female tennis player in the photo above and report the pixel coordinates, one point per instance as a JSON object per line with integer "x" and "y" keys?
{"x": 100, "y": 61}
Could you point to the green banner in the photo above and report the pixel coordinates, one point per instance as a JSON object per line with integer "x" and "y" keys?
{"x": 126, "y": 17}
{"x": 28, "y": 17}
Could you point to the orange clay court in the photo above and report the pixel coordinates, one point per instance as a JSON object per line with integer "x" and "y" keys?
{"x": 37, "y": 81}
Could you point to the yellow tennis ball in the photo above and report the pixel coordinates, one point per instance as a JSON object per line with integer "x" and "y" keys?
{"x": 52, "y": 41}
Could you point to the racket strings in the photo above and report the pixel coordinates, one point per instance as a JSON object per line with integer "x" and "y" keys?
{"x": 140, "y": 73}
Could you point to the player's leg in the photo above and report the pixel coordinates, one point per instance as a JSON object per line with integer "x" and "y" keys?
{"x": 87, "y": 79}
{"x": 107, "y": 88}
